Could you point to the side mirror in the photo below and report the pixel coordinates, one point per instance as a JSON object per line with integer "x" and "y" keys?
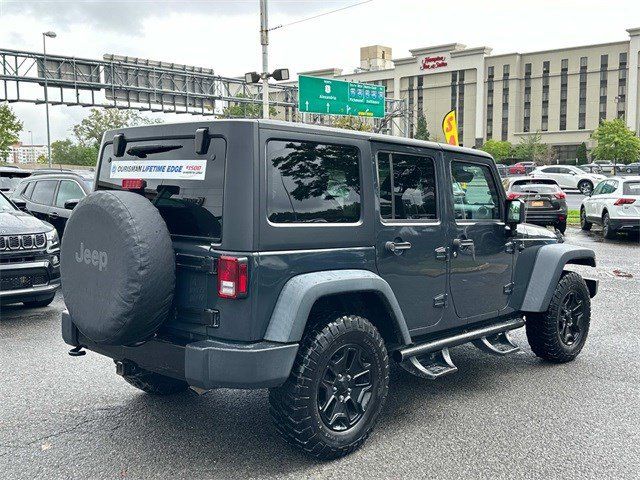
{"x": 515, "y": 212}
{"x": 71, "y": 204}
{"x": 20, "y": 204}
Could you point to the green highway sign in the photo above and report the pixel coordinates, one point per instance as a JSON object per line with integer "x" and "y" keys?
{"x": 336, "y": 97}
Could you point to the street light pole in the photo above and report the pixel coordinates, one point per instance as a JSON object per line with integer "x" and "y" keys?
{"x": 264, "y": 41}
{"x": 46, "y": 92}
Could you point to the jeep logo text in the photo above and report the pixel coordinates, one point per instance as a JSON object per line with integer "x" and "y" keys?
{"x": 92, "y": 257}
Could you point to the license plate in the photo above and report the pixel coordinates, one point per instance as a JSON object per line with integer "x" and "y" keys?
{"x": 537, "y": 203}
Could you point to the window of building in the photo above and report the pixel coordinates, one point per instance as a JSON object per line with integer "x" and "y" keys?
{"x": 475, "y": 193}
{"x": 411, "y": 106}
{"x": 454, "y": 90}
{"x": 621, "y": 99}
{"x": 505, "y": 103}
{"x": 43, "y": 192}
{"x": 490, "y": 74}
{"x": 526, "y": 124}
{"x": 460, "y": 117}
{"x": 582, "y": 103}
{"x": 407, "y": 187}
{"x": 564, "y": 80}
{"x": 604, "y": 66}
{"x": 544, "y": 123}
{"x": 309, "y": 182}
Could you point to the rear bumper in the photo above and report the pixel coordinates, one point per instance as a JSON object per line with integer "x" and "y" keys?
{"x": 625, "y": 224}
{"x": 546, "y": 217}
{"x": 205, "y": 364}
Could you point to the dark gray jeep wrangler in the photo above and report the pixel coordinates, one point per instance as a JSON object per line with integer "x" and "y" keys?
{"x": 260, "y": 254}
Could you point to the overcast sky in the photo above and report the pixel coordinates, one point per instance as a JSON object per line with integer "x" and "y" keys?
{"x": 223, "y": 35}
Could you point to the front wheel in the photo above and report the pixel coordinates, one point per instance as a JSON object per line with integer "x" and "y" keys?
{"x": 337, "y": 387}
{"x": 585, "y": 187}
{"x": 559, "y": 334}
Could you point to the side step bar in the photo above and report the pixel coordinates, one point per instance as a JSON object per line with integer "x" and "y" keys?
{"x": 461, "y": 338}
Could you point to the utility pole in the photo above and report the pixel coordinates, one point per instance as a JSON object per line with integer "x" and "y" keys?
{"x": 46, "y": 89}
{"x": 264, "y": 41}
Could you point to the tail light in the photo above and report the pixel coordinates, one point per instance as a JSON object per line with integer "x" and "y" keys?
{"x": 560, "y": 195}
{"x": 233, "y": 277}
{"x": 513, "y": 196}
{"x": 625, "y": 201}
{"x": 134, "y": 184}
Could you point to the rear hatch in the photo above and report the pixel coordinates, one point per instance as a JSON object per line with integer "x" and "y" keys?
{"x": 630, "y": 206}
{"x": 539, "y": 195}
{"x": 187, "y": 188}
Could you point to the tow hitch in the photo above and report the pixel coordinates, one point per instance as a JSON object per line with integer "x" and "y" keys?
{"x": 125, "y": 368}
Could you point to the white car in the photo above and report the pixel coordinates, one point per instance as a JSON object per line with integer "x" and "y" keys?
{"x": 570, "y": 177}
{"x": 614, "y": 204}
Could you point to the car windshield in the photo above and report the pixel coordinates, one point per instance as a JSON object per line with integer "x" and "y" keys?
{"x": 5, "y": 205}
{"x": 631, "y": 188}
{"x": 534, "y": 188}
{"x": 9, "y": 183}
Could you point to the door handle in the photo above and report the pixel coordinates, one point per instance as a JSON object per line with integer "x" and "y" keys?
{"x": 54, "y": 214}
{"x": 397, "y": 247}
{"x": 463, "y": 243}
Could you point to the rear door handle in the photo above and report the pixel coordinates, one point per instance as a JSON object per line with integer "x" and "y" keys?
{"x": 397, "y": 247}
{"x": 54, "y": 215}
{"x": 463, "y": 244}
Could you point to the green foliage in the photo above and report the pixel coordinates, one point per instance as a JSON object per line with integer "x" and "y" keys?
{"x": 615, "y": 141}
{"x": 351, "y": 123}
{"x": 10, "y": 128}
{"x": 246, "y": 110}
{"x": 422, "y": 132}
{"x": 532, "y": 148}
{"x": 581, "y": 153}
{"x": 89, "y": 131}
{"x": 65, "y": 152}
{"x": 41, "y": 159}
{"x": 499, "y": 150}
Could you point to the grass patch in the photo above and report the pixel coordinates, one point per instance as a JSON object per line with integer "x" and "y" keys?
{"x": 573, "y": 217}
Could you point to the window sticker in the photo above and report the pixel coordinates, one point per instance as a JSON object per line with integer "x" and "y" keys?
{"x": 159, "y": 169}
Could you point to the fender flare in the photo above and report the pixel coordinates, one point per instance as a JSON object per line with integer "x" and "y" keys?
{"x": 299, "y": 294}
{"x": 547, "y": 270}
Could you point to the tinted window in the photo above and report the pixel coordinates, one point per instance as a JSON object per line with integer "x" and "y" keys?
{"x": 28, "y": 189}
{"x": 475, "y": 193}
{"x": 631, "y": 188}
{"x": 43, "y": 192}
{"x": 598, "y": 189}
{"x": 312, "y": 182}
{"x": 609, "y": 187}
{"x": 407, "y": 187}
{"x": 69, "y": 190}
{"x": 534, "y": 188}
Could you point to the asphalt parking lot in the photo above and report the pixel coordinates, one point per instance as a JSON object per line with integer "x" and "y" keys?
{"x": 513, "y": 417}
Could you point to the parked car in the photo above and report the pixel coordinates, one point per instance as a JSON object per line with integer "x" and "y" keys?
{"x": 590, "y": 168}
{"x": 264, "y": 254}
{"x": 632, "y": 168}
{"x": 614, "y": 204}
{"x": 10, "y": 177}
{"x": 569, "y": 177}
{"x": 521, "y": 168}
{"x": 503, "y": 170}
{"x": 546, "y": 203}
{"x": 605, "y": 165}
{"x": 51, "y": 195}
{"x": 29, "y": 258}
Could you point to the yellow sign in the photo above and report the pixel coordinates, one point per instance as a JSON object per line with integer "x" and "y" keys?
{"x": 450, "y": 128}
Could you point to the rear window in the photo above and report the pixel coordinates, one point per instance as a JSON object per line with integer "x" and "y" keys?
{"x": 187, "y": 188}
{"x": 534, "y": 187}
{"x": 312, "y": 182}
{"x": 631, "y": 188}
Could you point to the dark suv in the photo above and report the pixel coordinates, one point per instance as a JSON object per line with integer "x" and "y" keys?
{"x": 50, "y": 195}
{"x": 303, "y": 259}
{"x": 29, "y": 258}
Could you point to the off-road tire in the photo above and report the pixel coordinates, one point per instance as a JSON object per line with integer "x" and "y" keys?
{"x": 607, "y": 231}
{"x": 585, "y": 187}
{"x": 154, "y": 383}
{"x": 39, "y": 303}
{"x": 543, "y": 329}
{"x": 294, "y": 406}
{"x": 584, "y": 223}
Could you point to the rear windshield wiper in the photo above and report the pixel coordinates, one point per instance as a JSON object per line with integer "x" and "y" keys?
{"x": 142, "y": 151}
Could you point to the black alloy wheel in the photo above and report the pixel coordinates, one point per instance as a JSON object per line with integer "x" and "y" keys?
{"x": 570, "y": 317}
{"x": 345, "y": 388}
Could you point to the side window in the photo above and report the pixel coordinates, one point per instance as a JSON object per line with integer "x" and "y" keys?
{"x": 475, "y": 193}
{"x": 407, "y": 187}
{"x": 598, "y": 189}
{"x": 312, "y": 182}
{"x": 69, "y": 190}
{"x": 28, "y": 190}
{"x": 43, "y": 192}
{"x": 609, "y": 187}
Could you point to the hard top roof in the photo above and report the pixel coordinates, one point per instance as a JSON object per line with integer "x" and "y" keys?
{"x": 183, "y": 128}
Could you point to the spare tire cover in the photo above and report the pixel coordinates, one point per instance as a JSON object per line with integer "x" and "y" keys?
{"x": 117, "y": 268}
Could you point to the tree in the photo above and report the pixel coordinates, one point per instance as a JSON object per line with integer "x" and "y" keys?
{"x": 245, "y": 110}
{"x": 616, "y": 142}
{"x": 41, "y": 159}
{"x": 10, "y": 128}
{"x": 499, "y": 150}
{"x": 89, "y": 131}
{"x": 532, "y": 148}
{"x": 65, "y": 152}
{"x": 422, "y": 132}
{"x": 581, "y": 153}
{"x": 351, "y": 123}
